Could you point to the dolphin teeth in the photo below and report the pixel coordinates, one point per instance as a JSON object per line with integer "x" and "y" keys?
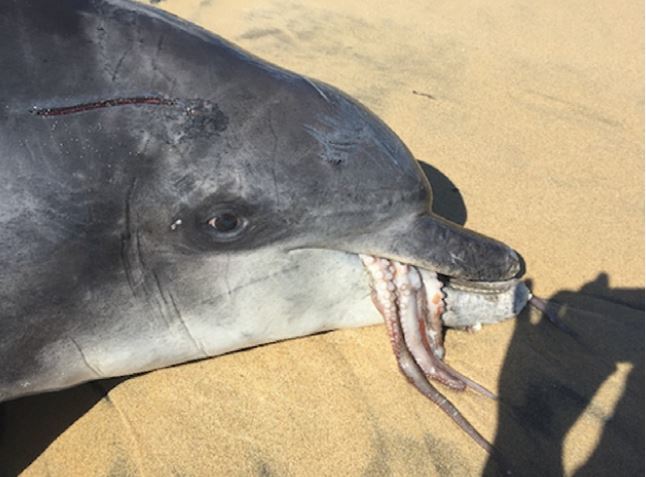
{"x": 412, "y": 305}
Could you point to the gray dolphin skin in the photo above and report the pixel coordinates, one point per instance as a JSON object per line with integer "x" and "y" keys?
{"x": 166, "y": 197}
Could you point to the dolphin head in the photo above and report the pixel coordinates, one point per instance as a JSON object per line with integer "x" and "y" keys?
{"x": 170, "y": 197}
{"x": 258, "y": 227}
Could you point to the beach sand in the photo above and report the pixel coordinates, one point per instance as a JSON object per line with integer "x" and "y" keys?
{"x": 532, "y": 117}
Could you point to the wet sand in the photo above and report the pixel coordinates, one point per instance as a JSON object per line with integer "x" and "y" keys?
{"x": 531, "y": 115}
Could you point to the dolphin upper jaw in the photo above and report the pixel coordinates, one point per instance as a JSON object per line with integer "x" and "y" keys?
{"x": 430, "y": 242}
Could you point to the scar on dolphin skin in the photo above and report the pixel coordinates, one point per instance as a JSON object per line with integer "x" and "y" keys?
{"x": 106, "y": 103}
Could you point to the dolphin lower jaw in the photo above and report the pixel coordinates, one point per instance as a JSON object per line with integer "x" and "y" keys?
{"x": 471, "y": 304}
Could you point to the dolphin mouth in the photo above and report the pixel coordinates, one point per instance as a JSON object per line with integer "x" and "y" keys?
{"x": 415, "y": 303}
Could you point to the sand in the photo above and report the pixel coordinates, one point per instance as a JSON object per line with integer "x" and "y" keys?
{"x": 532, "y": 117}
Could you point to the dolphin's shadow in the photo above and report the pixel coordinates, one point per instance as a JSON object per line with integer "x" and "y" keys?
{"x": 29, "y": 425}
{"x": 447, "y": 200}
{"x": 549, "y": 379}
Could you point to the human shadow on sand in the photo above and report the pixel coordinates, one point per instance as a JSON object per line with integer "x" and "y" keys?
{"x": 549, "y": 379}
{"x": 29, "y": 425}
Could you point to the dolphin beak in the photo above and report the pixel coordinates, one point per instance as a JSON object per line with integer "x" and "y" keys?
{"x": 432, "y": 243}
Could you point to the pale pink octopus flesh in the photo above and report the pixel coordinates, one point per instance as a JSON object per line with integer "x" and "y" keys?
{"x": 412, "y": 309}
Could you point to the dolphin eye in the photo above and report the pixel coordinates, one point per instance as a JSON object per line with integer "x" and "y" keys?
{"x": 226, "y": 222}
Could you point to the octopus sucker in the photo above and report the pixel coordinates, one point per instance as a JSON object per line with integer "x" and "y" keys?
{"x": 411, "y": 304}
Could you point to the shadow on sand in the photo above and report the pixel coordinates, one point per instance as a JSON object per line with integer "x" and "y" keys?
{"x": 30, "y": 424}
{"x": 550, "y": 378}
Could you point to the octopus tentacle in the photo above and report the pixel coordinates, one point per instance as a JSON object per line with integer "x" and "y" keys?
{"x": 410, "y": 369}
{"x": 414, "y": 330}
{"x": 435, "y": 307}
{"x": 544, "y": 307}
{"x": 470, "y": 383}
{"x": 412, "y": 307}
{"x": 433, "y": 301}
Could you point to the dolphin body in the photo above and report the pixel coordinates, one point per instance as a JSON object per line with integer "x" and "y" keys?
{"x": 165, "y": 197}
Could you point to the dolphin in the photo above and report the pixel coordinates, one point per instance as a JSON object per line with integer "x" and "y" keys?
{"x": 167, "y": 197}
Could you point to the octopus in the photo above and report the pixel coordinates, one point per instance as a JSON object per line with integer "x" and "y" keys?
{"x": 414, "y": 304}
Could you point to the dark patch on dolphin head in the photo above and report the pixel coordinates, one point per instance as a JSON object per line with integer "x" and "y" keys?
{"x": 204, "y": 119}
